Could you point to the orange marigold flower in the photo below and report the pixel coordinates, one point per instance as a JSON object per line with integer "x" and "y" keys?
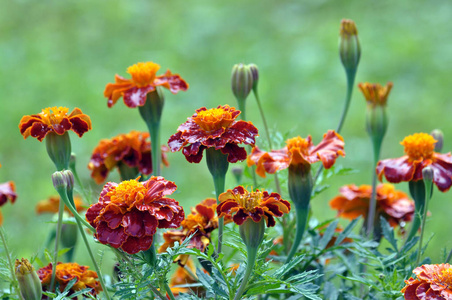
{"x": 144, "y": 81}
{"x": 217, "y": 128}
{"x": 66, "y": 272}
{"x": 395, "y": 206}
{"x": 375, "y": 94}
{"x": 182, "y": 277}
{"x": 128, "y": 214}
{"x": 52, "y": 204}
{"x": 419, "y": 150}
{"x": 133, "y": 149}
{"x": 7, "y": 192}
{"x": 255, "y": 205}
{"x": 298, "y": 151}
{"x": 433, "y": 282}
{"x": 54, "y": 119}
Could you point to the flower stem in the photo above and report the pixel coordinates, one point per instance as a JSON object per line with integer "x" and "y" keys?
{"x": 428, "y": 194}
{"x": 168, "y": 290}
{"x": 73, "y": 168}
{"x": 64, "y": 197}
{"x": 252, "y": 253}
{"x": 219, "y": 183}
{"x": 417, "y": 191}
{"x": 373, "y": 197}
{"x": 10, "y": 263}
{"x": 267, "y": 132}
{"x": 154, "y": 130}
{"x": 302, "y": 213}
{"x": 57, "y": 242}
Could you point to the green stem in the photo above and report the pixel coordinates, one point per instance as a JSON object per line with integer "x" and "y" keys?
{"x": 267, "y": 132}
{"x": 449, "y": 256}
{"x": 219, "y": 183}
{"x": 10, "y": 263}
{"x": 417, "y": 191}
{"x": 373, "y": 198}
{"x": 302, "y": 213}
{"x": 67, "y": 202}
{"x": 57, "y": 242}
{"x": 168, "y": 290}
{"x": 252, "y": 254}
{"x": 96, "y": 266}
{"x": 73, "y": 168}
{"x": 154, "y": 130}
{"x": 428, "y": 194}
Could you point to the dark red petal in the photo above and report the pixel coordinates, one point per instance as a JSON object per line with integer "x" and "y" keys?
{"x": 396, "y": 169}
{"x": 62, "y": 127}
{"x": 150, "y": 224}
{"x": 113, "y": 237}
{"x": 328, "y": 149}
{"x": 257, "y": 214}
{"x": 410, "y": 292}
{"x": 79, "y": 126}
{"x": 173, "y": 82}
{"x": 442, "y": 174}
{"x": 193, "y": 158}
{"x": 39, "y": 130}
{"x": 112, "y": 216}
{"x": 175, "y": 143}
{"x": 422, "y": 289}
{"x": 174, "y": 222}
{"x": 133, "y": 223}
{"x": 134, "y": 245}
{"x": 225, "y": 207}
{"x": 136, "y": 96}
{"x": 92, "y": 212}
{"x": 270, "y": 220}
{"x": 241, "y": 132}
{"x": 234, "y": 152}
{"x": 240, "y": 217}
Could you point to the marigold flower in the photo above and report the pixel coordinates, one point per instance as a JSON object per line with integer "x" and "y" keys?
{"x": 183, "y": 277}
{"x": 433, "y": 282}
{"x": 66, "y": 272}
{"x": 375, "y": 94}
{"x": 254, "y": 205}
{"x": 54, "y": 119}
{"x": 419, "y": 150}
{"x": 133, "y": 149}
{"x": 51, "y": 205}
{"x": 395, "y": 206}
{"x": 7, "y": 192}
{"x": 144, "y": 81}
{"x": 298, "y": 151}
{"x": 217, "y": 128}
{"x": 128, "y": 214}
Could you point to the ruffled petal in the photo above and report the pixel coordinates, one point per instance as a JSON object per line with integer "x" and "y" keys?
{"x": 173, "y": 82}
{"x": 396, "y": 169}
{"x": 442, "y": 171}
{"x": 134, "y": 245}
{"x": 113, "y": 237}
{"x": 329, "y": 148}
{"x": 136, "y": 96}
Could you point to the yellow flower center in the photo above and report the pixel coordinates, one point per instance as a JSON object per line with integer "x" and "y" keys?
{"x": 143, "y": 74}
{"x": 54, "y": 115}
{"x": 419, "y": 146}
{"x": 213, "y": 119}
{"x": 298, "y": 144}
{"x": 250, "y": 200}
{"x": 127, "y": 192}
{"x": 446, "y": 277}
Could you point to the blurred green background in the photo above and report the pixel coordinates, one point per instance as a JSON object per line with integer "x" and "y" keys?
{"x": 62, "y": 53}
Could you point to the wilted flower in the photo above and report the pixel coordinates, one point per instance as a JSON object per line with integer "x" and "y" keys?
{"x": 419, "y": 150}
{"x": 433, "y": 282}
{"x": 217, "y": 128}
{"x": 66, "y": 272}
{"x": 51, "y": 205}
{"x": 128, "y": 214}
{"x": 144, "y": 81}
{"x": 395, "y": 206}
{"x": 54, "y": 119}
{"x": 132, "y": 149}
{"x": 7, "y": 192}
{"x": 299, "y": 151}
{"x": 29, "y": 283}
{"x": 254, "y": 205}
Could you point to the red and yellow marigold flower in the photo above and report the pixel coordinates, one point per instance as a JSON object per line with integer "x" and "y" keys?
{"x": 433, "y": 282}
{"x": 7, "y": 192}
{"x": 255, "y": 205}
{"x": 51, "y": 205}
{"x": 54, "y": 119}
{"x": 217, "y": 128}
{"x": 395, "y": 206}
{"x": 132, "y": 149}
{"x": 66, "y": 272}
{"x": 298, "y": 151}
{"x": 128, "y": 214}
{"x": 144, "y": 80}
{"x": 419, "y": 150}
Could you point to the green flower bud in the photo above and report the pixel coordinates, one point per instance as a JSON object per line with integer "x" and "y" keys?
{"x": 69, "y": 235}
{"x": 59, "y": 180}
{"x": 427, "y": 173}
{"x": 439, "y": 137}
{"x": 59, "y": 149}
{"x": 255, "y": 72}
{"x": 349, "y": 48}
{"x": 237, "y": 172}
{"x": 29, "y": 283}
{"x": 241, "y": 81}
{"x": 252, "y": 233}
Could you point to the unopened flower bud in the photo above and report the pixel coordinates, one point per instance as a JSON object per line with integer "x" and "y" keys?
{"x": 241, "y": 81}
{"x": 72, "y": 161}
{"x": 252, "y": 233}
{"x": 69, "y": 179}
{"x": 349, "y": 48}
{"x": 255, "y": 72}
{"x": 59, "y": 180}
{"x": 69, "y": 235}
{"x": 427, "y": 173}
{"x": 29, "y": 283}
{"x": 439, "y": 137}
{"x": 237, "y": 172}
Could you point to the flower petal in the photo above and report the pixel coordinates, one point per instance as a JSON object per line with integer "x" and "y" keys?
{"x": 396, "y": 169}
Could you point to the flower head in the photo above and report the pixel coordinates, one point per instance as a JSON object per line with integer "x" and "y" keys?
{"x": 395, "y": 206}
{"x": 54, "y": 119}
{"x": 29, "y": 282}
{"x": 255, "y": 205}
{"x": 144, "y": 80}
{"x": 375, "y": 94}
{"x": 66, "y": 272}
{"x": 7, "y": 192}
{"x": 217, "y": 128}
{"x": 128, "y": 214}
{"x": 132, "y": 149}
{"x": 51, "y": 205}
{"x": 433, "y": 282}
{"x": 419, "y": 150}
{"x": 298, "y": 151}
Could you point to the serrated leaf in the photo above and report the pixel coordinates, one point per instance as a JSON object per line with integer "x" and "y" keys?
{"x": 344, "y": 234}
{"x": 279, "y": 273}
{"x": 328, "y": 234}
{"x": 388, "y": 233}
